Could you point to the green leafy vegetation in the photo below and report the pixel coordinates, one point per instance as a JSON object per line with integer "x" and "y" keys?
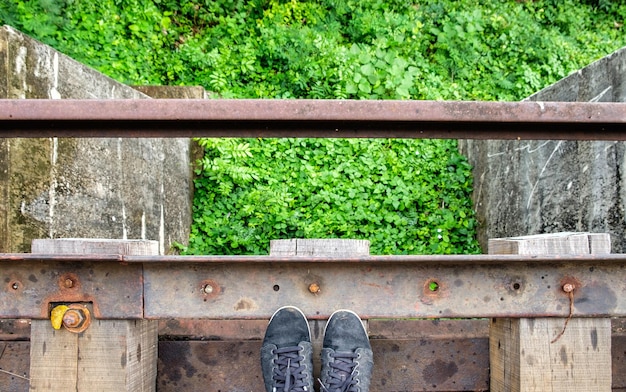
{"x": 406, "y": 196}
{"x": 431, "y": 49}
{"x": 126, "y": 40}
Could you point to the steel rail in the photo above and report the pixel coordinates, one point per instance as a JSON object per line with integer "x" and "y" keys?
{"x": 214, "y": 287}
{"x": 234, "y": 287}
{"x": 313, "y": 118}
{"x": 431, "y": 260}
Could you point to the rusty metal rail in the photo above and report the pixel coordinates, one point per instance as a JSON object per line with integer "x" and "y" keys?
{"x": 449, "y": 260}
{"x": 235, "y": 287}
{"x": 313, "y": 118}
{"x": 215, "y": 287}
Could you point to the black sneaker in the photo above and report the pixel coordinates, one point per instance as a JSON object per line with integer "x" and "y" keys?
{"x": 286, "y": 354}
{"x": 347, "y": 358}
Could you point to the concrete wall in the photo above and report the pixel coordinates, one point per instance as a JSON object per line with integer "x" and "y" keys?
{"x": 532, "y": 187}
{"x": 98, "y": 188}
{"x": 141, "y": 188}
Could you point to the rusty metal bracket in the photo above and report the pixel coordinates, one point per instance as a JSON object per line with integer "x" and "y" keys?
{"x": 247, "y": 287}
{"x": 379, "y": 289}
{"x": 29, "y": 288}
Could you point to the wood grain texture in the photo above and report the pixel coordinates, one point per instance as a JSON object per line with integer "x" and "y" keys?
{"x": 504, "y": 355}
{"x": 95, "y": 246}
{"x": 580, "y": 361}
{"x": 111, "y": 355}
{"x": 551, "y": 354}
{"x": 53, "y": 358}
{"x": 319, "y": 247}
{"x": 552, "y": 244}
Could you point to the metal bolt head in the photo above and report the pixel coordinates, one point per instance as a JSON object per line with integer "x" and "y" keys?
{"x": 68, "y": 283}
{"x": 73, "y": 318}
{"x": 209, "y": 289}
{"x": 568, "y": 287}
{"x": 314, "y": 288}
{"x": 77, "y": 318}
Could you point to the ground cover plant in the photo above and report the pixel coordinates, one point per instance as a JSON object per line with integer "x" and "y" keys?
{"x": 406, "y": 196}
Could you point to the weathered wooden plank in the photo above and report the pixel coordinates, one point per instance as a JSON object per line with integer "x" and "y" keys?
{"x": 110, "y": 355}
{"x": 94, "y": 246}
{"x": 319, "y": 247}
{"x": 116, "y": 355}
{"x": 527, "y": 360}
{"x": 552, "y": 244}
{"x": 504, "y": 355}
{"x": 141, "y": 354}
{"x": 556, "y": 354}
{"x": 580, "y": 361}
{"x": 53, "y": 358}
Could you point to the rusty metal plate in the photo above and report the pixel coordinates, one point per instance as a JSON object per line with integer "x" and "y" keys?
{"x": 313, "y": 118}
{"x": 209, "y": 366}
{"x": 431, "y": 365}
{"x": 399, "y": 365}
{"x": 202, "y": 329}
{"x": 402, "y": 329}
{"x": 28, "y": 288}
{"x": 14, "y": 366}
{"x": 378, "y": 289}
{"x": 14, "y": 329}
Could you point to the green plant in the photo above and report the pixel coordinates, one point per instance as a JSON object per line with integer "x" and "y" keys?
{"x": 129, "y": 40}
{"x": 45, "y": 17}
{"x": 249, "y": 191}
{"x": 496, "y": 49}
{"x": 406, "y": 196}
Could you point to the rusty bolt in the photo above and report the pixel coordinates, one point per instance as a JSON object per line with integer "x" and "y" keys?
{"x": 77, "y": 318}
{"x": 568, "y": 287}
{"x": 73, "y": 318}
{"x": 69, "y": 283}
{"x": 314, "y": 288}
{"x": 209, "y": 289}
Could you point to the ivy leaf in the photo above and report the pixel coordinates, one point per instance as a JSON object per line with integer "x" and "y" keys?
{"x": 364, "y": 86}
{"x": 368, "y": 69}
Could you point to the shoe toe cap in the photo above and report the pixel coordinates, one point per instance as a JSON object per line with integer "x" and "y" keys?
{"x": 288, "y": 327}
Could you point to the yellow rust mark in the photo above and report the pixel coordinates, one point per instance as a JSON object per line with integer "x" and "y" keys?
{"x": 245, "y": 304}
